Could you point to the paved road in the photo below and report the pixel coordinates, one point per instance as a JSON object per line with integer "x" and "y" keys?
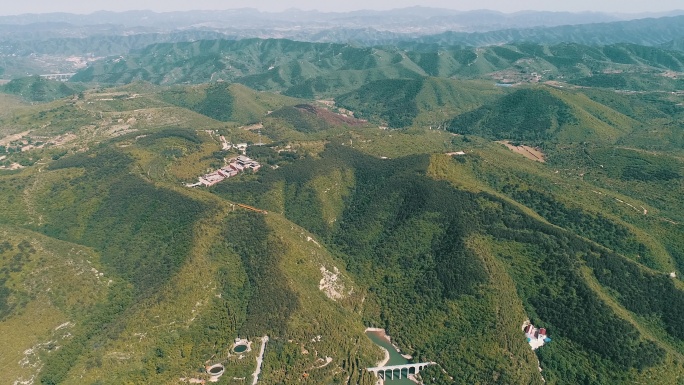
{"x": 260, "y": 360}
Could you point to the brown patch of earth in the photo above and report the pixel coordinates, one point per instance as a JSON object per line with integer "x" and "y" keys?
{"x": 526, "y": 151}
{"x": 330, "y": 117}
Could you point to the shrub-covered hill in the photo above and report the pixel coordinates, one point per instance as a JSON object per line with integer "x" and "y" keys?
{"x": 37, "y": 89}
{"x": 449, "y": 253}
{"x": 144, "y": 282}
{"x": 442, "y": 264}
{"x": 426, "y": 101}
{"x": 309, "y": 118}
{"x": 225, "y": 101}
{"x": 309, "y": 70}
{"x": 536, "y": 115}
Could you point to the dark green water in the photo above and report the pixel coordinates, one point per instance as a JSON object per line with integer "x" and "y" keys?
{"x": 395, "y": 357}
{"x": 240, "y": 348}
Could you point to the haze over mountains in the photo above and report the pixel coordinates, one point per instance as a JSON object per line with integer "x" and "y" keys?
{"x": 42, "y": 43}
{"x": 414, "y": 19}
{"x": 408, "y": 21}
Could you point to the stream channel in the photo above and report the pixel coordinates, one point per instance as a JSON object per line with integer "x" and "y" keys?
{"x": 378, "y": 337}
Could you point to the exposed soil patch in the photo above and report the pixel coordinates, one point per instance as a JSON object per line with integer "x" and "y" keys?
{"x": 11, "y": 138}
{"x": 526, "y": 151}
{"x": 331, "y": 284}
{"x": 330, "y": 117}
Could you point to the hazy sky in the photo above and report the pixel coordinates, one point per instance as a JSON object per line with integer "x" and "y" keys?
{"x": 13, "y": 7}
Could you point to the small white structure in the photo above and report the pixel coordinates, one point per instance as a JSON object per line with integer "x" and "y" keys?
{"x": 535, "y": 337}
{"x": 242, "y": 147}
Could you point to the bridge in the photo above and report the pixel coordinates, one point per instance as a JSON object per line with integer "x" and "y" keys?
{"x": 59, "y": 77}
{"x": 391, "y": 370}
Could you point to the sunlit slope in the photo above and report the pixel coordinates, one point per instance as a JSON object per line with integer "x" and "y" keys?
{"x": 433, "y": 256}
{"x": 309, "y": 70}
{"x": 181, "y": 276}
{"x": 226, "y": 102}
{"x": 47, "y": 289}
{"x": 425, "y": 102}
{"x": 535, "y": 115}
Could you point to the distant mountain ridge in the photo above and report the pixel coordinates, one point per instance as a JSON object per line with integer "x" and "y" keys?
{"x": 63, "y": 43}
{"x": 411, "y": 22}
{"x": 642, "y": 31}
{"x": 109, "y": 33}
{"x": 421, "y": 19}
{"x": 309, "y": 70}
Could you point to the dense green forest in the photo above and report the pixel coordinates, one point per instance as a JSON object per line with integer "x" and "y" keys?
{"x": 529, "y": 115}
{"x": 399, "y": 236}
{"x": 37, "y": 89}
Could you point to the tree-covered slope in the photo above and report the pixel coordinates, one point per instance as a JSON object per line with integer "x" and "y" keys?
{"x": 225, "y": 102}
{"x": 536, "y": 115}
{"x": 445, "y": 238}
{"x": 310, "y": 70}
{"x": 37, "y": 89}
{"x": 436, "y": 260}
{"x": 173, "y": 276}
{"x": 426, "y": 101}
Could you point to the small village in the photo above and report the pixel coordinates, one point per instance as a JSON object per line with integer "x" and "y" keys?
{"x": 536, "y": 337}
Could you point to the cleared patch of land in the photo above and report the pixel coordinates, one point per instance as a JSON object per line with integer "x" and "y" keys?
{"x": 11, "y": 138}
{"x": 526, "y": 151}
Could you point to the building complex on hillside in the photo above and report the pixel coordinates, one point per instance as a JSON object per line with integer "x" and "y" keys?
{"x": 234, "y": 167}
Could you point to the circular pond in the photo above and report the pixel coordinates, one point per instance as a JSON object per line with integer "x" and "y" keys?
{"x": 216, "y": 370}
{"x": 240, "y": 348}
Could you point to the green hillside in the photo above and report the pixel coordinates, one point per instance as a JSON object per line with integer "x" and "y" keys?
{"x": 427, "y": 101}
{"x": 444, "y": 195}
{"x": 166, "y": 261}
{"x": 396, "y": 233}
{"x": 309, "y": 70}
{"x": 37, "y": 89}
{"x": 393, "y": 101}
{"x": 225, "y": 102}
{"x": 543, "y": 114}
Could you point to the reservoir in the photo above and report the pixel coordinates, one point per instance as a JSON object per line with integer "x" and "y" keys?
{"x": 378, "y": 337}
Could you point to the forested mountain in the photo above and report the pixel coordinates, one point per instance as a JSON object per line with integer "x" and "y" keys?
{"x": 254, "y": 205}
{"x": 312, "y": 69}
{"x": 62, "y": 43}
{"x": 38, "y": 89}
{"x": 642, "y": 31}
